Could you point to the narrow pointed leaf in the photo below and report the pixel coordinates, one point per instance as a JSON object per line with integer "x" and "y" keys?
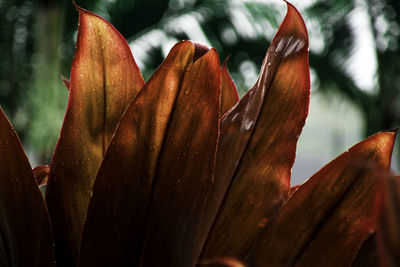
{"x": 25, "y": 233}
{"x": 41, "y": 174}
{"x": 176, "y": 229}
{"x": 326, "y": 220}
{"x": 66, "y": 82}
{"x": 258, "y": 142}
{"x": 151, "y": 190}
{"x": 104, "y": 80}
{"x": 389, "y": 224}
{"x": 229, "y": 93}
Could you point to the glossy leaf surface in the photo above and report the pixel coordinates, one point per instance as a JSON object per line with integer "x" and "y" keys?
{"x": 151, "y": 191}
{"x": 229, "y": 93}
{"x": 389, "y": 230}
{"x": 25, "y": 233}
{"x": 104, "y": 80}
{"x": 326, "y": 220}
{"x": 258, "y": 142}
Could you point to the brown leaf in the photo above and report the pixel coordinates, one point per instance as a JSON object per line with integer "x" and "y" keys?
{"x": 41, "y": 174}
{"x": 258, "y": 143}
{"x": 229, "y": 94}
{"x": 326, "y": 220}
{"x": 222, "y": 262}
{"x": 150, "y": 194}
{"x": 25, "y": 233}
{"x": 389, "y": 224}
{"x": 104, "y": 80}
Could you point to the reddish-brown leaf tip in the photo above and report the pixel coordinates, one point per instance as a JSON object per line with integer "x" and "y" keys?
{"x": 41, "y": 173}
{"x": 258, "y": 141}
{"x": 327, "y": 218}
{"x": 199, "y": 51}
{"x": 104, "y": 80}
{"x": 164, "y": 149}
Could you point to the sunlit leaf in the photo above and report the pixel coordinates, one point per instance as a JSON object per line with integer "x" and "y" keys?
{"x": 327, "y": 219}
{"x": 258, "y": 143}
{"x": 25, "y": 232}
{"x": 151, "y": 192}
{"x": 104, "y": 80}
{"x": 229, "y": 93}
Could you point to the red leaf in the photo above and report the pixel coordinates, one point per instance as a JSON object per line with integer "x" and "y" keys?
{"x": 25, "y": 233}
{"x": 150, "y": 194}
{"x": 229, "y": 94}
{"x": 326, "y": 220}
{"x": 104, "y": 80}
{"x": 258, "y": 143}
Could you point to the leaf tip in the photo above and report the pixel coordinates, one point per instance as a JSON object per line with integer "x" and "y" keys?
{"x": 394, "y": 131}
{"x": 65, "y": 81}
{"x": 199, "y": 51}
{"x": 226, "y": 60}
{"x": 79, "y": 9}
{"x": 293, "y": 21}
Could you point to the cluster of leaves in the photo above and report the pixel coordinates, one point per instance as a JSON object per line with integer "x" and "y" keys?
{"x": 178, "y": 171}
